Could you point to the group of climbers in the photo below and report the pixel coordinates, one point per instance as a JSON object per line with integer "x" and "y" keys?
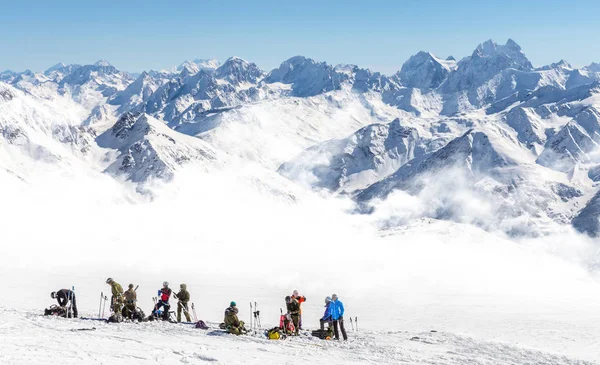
{"x": 124, "y": 304}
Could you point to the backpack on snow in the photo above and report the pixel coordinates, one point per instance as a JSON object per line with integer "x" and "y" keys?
{"x": 200, "y": 324}
{"x": 286, "y": 324}
{"x": 56, "y": 310}
{"x": 275, "y": 334}
{"x": 323, "y": 334}
{"x": 115, "y": 318}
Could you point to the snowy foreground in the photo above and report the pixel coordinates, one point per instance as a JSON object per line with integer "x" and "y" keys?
{"x": 29, "y": 338}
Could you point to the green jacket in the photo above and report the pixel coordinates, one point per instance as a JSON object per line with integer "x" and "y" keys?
{"x": 117, "y": 289}
{"x": 231, "y": 318}
{"x": 130, "y": 295}
{"x": 183, "y": 296}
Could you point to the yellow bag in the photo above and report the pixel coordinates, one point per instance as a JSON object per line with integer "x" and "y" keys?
{"x": 274, "y": 334}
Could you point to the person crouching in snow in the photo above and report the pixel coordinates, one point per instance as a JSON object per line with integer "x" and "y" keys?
{"x": 63, "y": 297}
{"x": 231, "y": 322}
{"x": 164, "y": 295}
{"x": 327, "y": 315}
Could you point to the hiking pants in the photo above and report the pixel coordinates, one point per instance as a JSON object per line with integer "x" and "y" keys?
{"x": 328, "y": 321}
{"x": 296, "y": 320}
{"x": 181, "y": 306}
{"x": 74, "y": 304}
{"x": 335, "y": 329}
{"x": 166, "y": 307}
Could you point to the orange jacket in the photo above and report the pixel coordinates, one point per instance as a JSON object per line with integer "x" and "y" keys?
{"x": 301, "y": 299}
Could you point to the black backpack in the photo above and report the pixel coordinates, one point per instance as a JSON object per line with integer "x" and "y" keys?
{"x": 56, "y": 310}
{"x": 323, "y": 334}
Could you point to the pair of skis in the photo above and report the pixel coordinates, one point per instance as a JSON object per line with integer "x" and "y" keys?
{"x": 254, "y": 314}
{"x": 354, "y": 324}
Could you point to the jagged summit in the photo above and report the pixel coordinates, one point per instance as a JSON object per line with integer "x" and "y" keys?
{"x": 102, "y": 63}
{"x": 56, "y": 67}
{"x": 424, "y": 71}
{"x": 237, "y": 70}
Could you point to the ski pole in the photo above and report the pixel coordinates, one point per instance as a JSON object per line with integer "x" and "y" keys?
{"x": 72, "y": 295}
{"x": 251, "y": 316}
{"x": 100, "y": 307}
{"x": 351, "y": 324}
{"x": 104, "y": 305}
{"x": 356, "y": 321}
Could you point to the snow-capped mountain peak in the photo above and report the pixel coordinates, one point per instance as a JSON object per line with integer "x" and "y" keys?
{"x": 238, "y": 71}
{"x": 58, "y": 66}
{"x": 102, "y": 63}
{"x": 424, "y": 71}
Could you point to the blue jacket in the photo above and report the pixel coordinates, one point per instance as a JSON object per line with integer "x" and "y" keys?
{"x": 336, "y": 309}
{"x": 327, "y": 314}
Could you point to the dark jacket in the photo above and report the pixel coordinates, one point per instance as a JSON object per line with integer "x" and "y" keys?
{"x": 63, "y": 296}
{"x": 293, "y": 307}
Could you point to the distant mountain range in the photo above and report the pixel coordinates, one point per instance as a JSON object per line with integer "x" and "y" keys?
{"x": 488, "y": 128}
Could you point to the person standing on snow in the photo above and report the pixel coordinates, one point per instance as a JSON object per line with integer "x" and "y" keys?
{"x": 116, "y": 301}
{"x": 301, "y": 299}
{"x": 130, "y": 302}
{"x": 184, "y": 297}
{"x": 337, "y": 316}
{"x": 327, "y": 315}
{"x": 293, "y": 309}
{"x": 62, "y": 297}
{"x": 164, "y": 295}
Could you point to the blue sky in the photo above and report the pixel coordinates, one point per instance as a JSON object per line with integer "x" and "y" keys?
{"x": 136, "y": 35}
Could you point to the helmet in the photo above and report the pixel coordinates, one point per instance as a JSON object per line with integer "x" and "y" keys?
{"x": 334, "y": 297}
{"x": 233, "y": 304}
{"x": 327, "y": 300}
{"x": 165, "y": 284}
{"x": 288, "y": 299}
{"x": 53, "y": 295}
{"x": 130, "y": 286}
{"x": 295, "y": 293}
{"x": 109, "y": 280}
{"x": 183, "y": 286}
